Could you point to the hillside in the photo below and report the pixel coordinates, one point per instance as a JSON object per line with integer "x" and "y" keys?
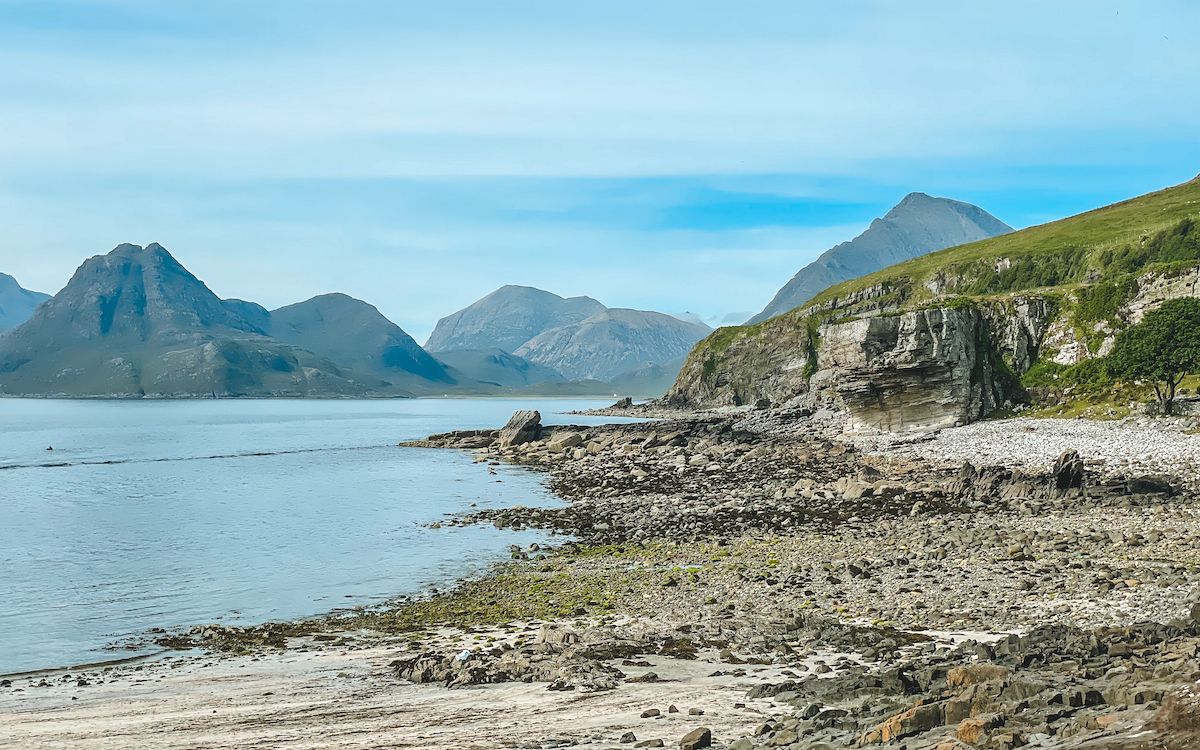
{"x": 507, "y": 318}
{"x": 16, "y": 303}
{"x": 135, "y": 322}
{"x": 358, "y": 337}
{"x": 612, "y": 343}
{"x": 915, "y": 226}
{"x": 497, "y": 367}
{"x": 943, "y": 338}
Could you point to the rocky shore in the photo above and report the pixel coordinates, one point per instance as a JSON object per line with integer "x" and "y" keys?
{"x": 749, "y": 581}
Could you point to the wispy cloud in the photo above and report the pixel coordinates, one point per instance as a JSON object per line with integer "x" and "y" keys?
{"x": 684, "y": 155}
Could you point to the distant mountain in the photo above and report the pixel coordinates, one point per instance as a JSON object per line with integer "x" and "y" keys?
{"x": 135, "y": 322}
{"x": 356, "y": 336}
{"x": 648, "y": 381}
{"x": 917, "y": 225}
{"x": 613, "y": 342}
{"x": 16, "y": 304}
{"x": 507, "y": 318}
{"x": 498, "y": 367}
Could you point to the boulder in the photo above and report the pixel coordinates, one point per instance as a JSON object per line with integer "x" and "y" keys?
{"x": 563, "y": 440}
{"x": 696, "y": 739}
{"x": 524, "y": 426}
{"x": 1068, "y": 471}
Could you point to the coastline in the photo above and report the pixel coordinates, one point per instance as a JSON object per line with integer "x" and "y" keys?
{"x": 674, "y": 569}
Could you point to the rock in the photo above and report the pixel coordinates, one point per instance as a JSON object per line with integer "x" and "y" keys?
{"x": 628, "y": 738}
{"x": 696, "y": 739}
{"x": 974, "y": 731}
{"x": 563, "y": 441}
{"x": 651, "y": 713}
{"x": 973, "y": 674}
{"x": 524, "y": 426}
{"x": 920, "y": 718}
{"x": 650, "y": 743}
{"x": 1068, "y": 471}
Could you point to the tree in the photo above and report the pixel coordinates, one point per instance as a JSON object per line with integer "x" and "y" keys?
{"x": 1163, "y": 348}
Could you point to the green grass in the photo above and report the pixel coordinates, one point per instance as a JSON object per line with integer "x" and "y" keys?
{"x": 1061, "y": 252}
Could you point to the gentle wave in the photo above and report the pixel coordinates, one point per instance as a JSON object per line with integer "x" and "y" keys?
{"x": 171, "y": 459}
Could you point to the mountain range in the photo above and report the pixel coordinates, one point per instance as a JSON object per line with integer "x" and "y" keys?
{"x": 16, "y": 303}
{"x": 135, "y": 322}
{"x": 917, "y": 225}
{"x": 577, "y": 337}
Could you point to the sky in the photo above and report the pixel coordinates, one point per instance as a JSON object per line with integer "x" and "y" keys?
{"x": 670, "y": 155}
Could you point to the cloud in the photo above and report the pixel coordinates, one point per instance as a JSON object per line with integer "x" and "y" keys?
{"x": 678, "y": 155}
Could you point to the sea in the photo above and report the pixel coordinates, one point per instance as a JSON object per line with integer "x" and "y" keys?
{"x": 119, "y": 517}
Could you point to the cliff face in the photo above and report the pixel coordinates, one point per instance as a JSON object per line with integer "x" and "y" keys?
{"x": 900, "y": 370}
{"x": 942, "y": 339}
{"x": 919, "y": 370}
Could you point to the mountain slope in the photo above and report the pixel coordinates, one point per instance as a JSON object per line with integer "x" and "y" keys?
{"x": 356, "y": 336}
{"x": 16, "y": 304}
{"x": 498, "y": 367}
{"x": 917, "y": 225}
{"x": 507, "y": 318}
{"x": 944, "y": 338}
{"x": 612, "y": 342}
{"x": 135, "y": 322}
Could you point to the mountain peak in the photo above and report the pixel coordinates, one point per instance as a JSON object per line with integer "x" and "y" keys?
{"x": 507, "y": 318}
{"x": 16, "y": 303}
{"x": 918, "y": 224}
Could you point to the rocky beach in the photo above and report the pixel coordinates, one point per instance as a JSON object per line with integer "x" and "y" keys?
{"x": 738, "y": 580}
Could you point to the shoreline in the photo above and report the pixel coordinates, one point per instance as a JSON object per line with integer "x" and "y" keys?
{"x": 664, "y": 557}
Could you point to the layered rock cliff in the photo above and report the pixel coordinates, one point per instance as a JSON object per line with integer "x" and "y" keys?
{"x": 943, "y": 339}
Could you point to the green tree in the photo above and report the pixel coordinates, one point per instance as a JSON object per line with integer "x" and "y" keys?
{"x": 1163, "y": 348}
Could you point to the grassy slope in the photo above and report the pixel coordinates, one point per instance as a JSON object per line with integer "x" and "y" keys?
{"x": 1110, "y": 227}
{"x": 1085, "y": 242}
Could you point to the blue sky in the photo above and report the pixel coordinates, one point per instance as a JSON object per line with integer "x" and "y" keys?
{"x": 660, "y": 155}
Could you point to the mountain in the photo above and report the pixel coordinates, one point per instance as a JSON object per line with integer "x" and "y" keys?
{"x": 647, "y": 381}
{"x": 498, "y": 367}
{"x": 135, "y": 322}
{"x": 356, "y": 336}
{"x": 917, "y": 225}
{"x": 16, "y": 304}
{"x": 948, "y": 337}
{"x": 507, "y": 318}
{"x": 612, "y": 342}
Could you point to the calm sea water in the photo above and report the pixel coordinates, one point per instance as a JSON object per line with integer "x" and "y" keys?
{"x": 174, "y": 513}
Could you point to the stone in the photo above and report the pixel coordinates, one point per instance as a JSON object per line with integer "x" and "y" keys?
{"x": 973, "y": 674}
{"x": 1068, "y": 471}
{"x": 628, "y": 738}
{"x": 565, "y": 440}
{"x": 975, "y": 731}
{"x": 696, "y": 739}
{"x": 920, "y": 718}
{"x": 523, "y": 427}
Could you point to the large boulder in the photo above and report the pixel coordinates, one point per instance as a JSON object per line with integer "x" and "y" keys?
{"x": 1068, "y": 471}
{"x": 524, "y": 426}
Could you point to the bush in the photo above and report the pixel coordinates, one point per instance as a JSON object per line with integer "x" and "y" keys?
{"x": 1163, "y": 348}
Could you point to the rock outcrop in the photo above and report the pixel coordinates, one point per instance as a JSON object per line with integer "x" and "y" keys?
{"x": 921, "y": 369}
